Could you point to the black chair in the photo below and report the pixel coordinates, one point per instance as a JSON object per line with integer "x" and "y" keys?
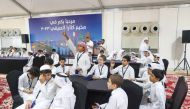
{"x": 12, "y": 79}
{"x": 178, "y": 96}
{"x": 80, "y": 92}
{"x": 134, "y": 93}
{"x": 166, "y": 63}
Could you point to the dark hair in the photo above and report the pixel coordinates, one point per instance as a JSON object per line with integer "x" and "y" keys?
{"x": 103, "y": 57}
{"x": 45, "y": 71}
{"x": 101, "y": 51}
{"x": 40, "y": 51}
{"x": 30, "y": 53}
{"x": 53, "y": 50}
{"x": 48, "y": 61}
{"x": 127, "y": 57}
{"x": 103, "y": 40}
{"x": 34, "y": 71}
{"x": 24, "y": 49}
{"x": 116, "y": 79}
{"x": 158, "y": 74}
{"x": 62, "y": 58}
{"x": 15, "y": 48}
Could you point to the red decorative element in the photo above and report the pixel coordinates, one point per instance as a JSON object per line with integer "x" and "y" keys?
{"x": 5, "y": 95}
{"x": 172, "y": 80}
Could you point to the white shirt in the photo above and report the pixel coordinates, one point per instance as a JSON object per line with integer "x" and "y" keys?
{"x": 72, "y": 46}
{"x": 144, "y": 77}
{"x": 61, "y": 69}
{"x": 83, "y": 63}
{"x": 117, "y": 100}
{"x": 65, "y": 98}
{"x": 30, "y": 61}
{"x": 81, "y": 60}
{"x": 146, "y": 60}
{"x": 47, "y": 93}
{"x": 25, "y": 82}
{"x": 55, "y": 58}
{"x": 91, "y": 44}
{"x": 157, "y": 97}
{"x": 14, "y": 54}
{"x": 99, "y": 71}
{"x": 53, "y": 70}
{"x": 24, "y": 54}
{"x": 126, "y": 72}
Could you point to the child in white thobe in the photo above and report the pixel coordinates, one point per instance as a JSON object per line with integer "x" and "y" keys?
{"x": 100, "y": 70}
{"x": 125, "y": 70}
{"x": 65, "y": 98}
{"x": 157, "y": 96}
{"x": 118, "y": 98}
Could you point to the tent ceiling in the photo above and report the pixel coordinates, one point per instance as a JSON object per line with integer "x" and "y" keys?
{"x": 25, "y": 7}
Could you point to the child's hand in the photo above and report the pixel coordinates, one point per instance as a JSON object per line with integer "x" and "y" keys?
{"x": 112, "y": 64}
{"x": 94, "y": 77}
{"x": 79, "y": 69}
{"x": 65, "y": 35}
{"x": 95, "y": 106}
{"x": 28, "y": 91}
{"x": 68, "y": 73}
{"x": 28, "y": 104}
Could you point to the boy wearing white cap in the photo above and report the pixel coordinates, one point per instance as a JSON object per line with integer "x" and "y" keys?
{"x": 44, "y": 91}
{"x": 65, "y": 98}
{"x": 81, "y": 62}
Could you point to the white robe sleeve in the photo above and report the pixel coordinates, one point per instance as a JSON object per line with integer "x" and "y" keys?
{"x": 144, "y": 77}
{"x": 132, "y": 73}
{"x": 21, "y": 83}
{"x": 72, "y": 46}
{"x": 92, "y": 70}
{"x": 104, "y": 72}
{"x": 30, "y": 62}
{"x": 48, "y": 90}
{"x": 112, "y": 104}
{"x": 86, "y": 65}
{"x": 115, "y": 70}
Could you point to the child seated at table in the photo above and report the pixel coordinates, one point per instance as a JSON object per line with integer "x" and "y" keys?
{"x": 44, "y": 91}
{"x": 62, "y": 68}
{"x": 27, "y": 82}
{"x": 100, "y": 70}
{"x": 125, "y": 70}
{"x": 157, "y": 96}
{"x": 118, "y": 98}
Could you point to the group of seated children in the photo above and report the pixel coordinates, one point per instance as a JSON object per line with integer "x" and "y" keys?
{"x": 46, "y": 92}
{"x": 51, "y": 88}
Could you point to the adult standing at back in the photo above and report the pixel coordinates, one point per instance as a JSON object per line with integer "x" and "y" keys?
{"x": 144, "y": 46}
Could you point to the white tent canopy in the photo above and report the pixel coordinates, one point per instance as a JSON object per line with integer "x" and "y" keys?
{"x": 33, "y": 7}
